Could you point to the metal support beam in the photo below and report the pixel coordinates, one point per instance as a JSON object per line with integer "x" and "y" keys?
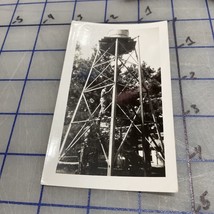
{"x": 145, "y": 145}
{"x": 113, "y": 114}
{"x": 156, "y": 124}
{"x": 140, "y": 75}
{"x": 77, "y": 106}
{"x": 125, "y": 137}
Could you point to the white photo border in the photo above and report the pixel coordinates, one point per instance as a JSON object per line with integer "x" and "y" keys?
{"x": 168, "y": 183}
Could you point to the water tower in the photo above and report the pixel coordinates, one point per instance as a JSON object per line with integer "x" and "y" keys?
{"x": 114, "y": 56}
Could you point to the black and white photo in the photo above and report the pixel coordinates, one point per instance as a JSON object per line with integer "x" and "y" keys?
{"x": 113, "y": 123}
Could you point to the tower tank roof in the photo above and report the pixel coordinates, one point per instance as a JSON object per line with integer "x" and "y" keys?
{"x": 125, "y": 43}
{"x": 118, "y": 33}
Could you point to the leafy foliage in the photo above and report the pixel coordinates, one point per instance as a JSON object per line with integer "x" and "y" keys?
{"x": 127, "y": 99}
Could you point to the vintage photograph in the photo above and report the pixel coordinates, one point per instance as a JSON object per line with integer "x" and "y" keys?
{"x": 113, "y": 123}
{"x": 113, "y": 103}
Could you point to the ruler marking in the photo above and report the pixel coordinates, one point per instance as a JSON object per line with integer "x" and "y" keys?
{"x": 40, "y": 199}
{"x": 22, "y": 92}
{"x": 138, "y": 11}
{"x": 139, "y": 198}
{"x": 182, "y": 107}
{"x": 123, "y": 22}
{"x": 139, "y": 210}
{"x": 105, "y": 11}
{"x": 88, "y": 202}
{"x": 62, "y": 49}
{"x": 75, "y": 5}
{"x": 8, "y": 28}
{"x": 210, "y": 20}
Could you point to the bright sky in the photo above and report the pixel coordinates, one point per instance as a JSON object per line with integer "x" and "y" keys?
{"x": 89, "y": 36}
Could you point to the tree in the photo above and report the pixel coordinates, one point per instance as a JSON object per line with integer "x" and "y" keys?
{"x": 127, "y": 99}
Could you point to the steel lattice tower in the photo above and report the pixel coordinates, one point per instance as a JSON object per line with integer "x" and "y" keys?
{"x": 110, "y": 62}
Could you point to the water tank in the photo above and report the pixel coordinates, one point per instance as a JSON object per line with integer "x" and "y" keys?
{"x": 119, "y": 33}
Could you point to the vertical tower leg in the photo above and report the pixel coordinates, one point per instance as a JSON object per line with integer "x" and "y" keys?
{"x": 140, "y": 75}
{"x": 113, "y": 114}
{"x": 78, "y": 104}
{"x": 145, "y": 145}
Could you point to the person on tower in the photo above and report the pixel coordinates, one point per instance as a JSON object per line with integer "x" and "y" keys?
{"x": 103, "y": 102}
